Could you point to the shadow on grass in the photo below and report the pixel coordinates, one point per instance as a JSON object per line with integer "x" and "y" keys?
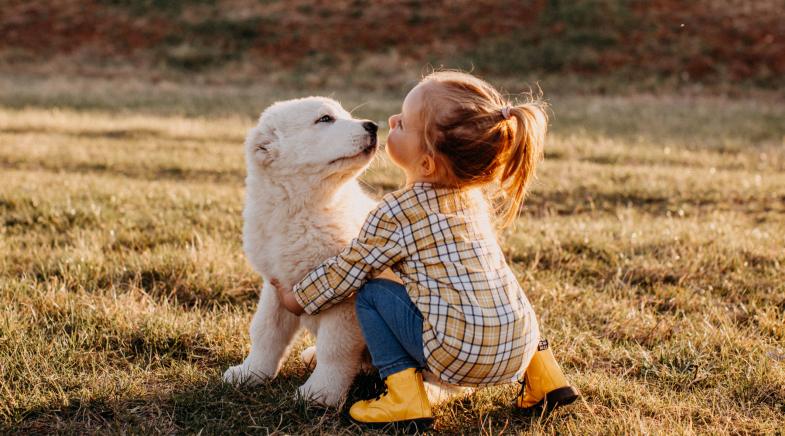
{"x": 210, "y": 407}
{"x": 131, "y": 171}
{"x": 124, "y": 134}
{"x": 213, "y": 407}
{"x": 582, "y": 201}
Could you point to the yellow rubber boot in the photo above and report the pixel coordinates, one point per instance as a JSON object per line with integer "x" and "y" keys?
{"x": 544, "y": 386}
{"x": 404, "y": 403}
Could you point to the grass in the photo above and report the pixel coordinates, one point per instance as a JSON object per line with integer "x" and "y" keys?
{"x": 651, "y": 248}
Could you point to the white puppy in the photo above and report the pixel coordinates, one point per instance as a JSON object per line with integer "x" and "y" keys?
{"x": 302, "y": 205}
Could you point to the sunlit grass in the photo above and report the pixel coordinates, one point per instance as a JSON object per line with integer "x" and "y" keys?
{"x": 651, "y": 247}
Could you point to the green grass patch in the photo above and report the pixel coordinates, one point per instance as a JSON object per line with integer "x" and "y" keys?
{"x": 650, "y": 247}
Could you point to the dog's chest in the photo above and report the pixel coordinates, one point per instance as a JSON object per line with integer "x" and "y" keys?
{"x": 288, "y": 247}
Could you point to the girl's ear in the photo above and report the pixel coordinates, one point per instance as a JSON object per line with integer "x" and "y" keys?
{"x": 427, "y": 165}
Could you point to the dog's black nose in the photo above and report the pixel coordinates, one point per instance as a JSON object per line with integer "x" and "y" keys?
{"x": 370, "y": 127}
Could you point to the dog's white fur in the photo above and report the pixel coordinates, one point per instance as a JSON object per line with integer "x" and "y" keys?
{"x": 303, "y": 204}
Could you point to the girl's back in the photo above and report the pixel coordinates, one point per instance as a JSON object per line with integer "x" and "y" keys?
{"x": 456, "y": 275}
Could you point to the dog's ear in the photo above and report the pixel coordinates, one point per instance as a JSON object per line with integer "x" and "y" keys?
{"x": 263, "y": 143}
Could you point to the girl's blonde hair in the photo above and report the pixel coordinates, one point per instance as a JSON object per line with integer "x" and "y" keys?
{"x": 467, "y": 132}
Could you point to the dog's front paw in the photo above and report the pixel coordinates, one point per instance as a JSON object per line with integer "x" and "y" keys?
{"x": 242, "y": 375}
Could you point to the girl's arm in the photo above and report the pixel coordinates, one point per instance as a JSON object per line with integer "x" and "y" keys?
{"x": 289, "y": 302}
{"x": 376, "y": 248}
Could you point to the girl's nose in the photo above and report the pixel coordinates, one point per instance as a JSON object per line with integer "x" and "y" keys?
{"x": 391, "y": 121}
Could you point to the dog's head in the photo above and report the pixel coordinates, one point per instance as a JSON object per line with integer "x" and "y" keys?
{"x": 312, "y": 137}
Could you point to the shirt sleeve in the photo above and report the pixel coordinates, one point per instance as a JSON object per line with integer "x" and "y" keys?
{"x": 376, "y": 247}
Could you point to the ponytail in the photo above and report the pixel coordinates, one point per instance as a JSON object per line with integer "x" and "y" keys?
{"x": 481, "y": 139}
{"x": 522, "y": 149}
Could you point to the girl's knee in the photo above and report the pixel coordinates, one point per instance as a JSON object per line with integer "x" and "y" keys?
{"x": 364, "y": 297}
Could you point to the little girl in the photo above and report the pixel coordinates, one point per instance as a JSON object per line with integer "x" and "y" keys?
{"x": 460, "y": 312}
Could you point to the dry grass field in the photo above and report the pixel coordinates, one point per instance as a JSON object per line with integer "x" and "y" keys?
{"x": 652, "y": 247}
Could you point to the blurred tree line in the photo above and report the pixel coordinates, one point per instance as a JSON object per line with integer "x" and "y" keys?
{"x": 700, "y": 40}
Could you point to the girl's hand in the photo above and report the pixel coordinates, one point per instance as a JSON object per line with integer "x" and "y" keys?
{"x": 286, "y": 297}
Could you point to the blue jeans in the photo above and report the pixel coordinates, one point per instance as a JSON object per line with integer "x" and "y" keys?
{"x": 391, "y": 325}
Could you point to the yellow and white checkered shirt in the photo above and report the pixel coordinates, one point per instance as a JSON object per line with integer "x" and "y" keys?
{"x": 478, "y": 326}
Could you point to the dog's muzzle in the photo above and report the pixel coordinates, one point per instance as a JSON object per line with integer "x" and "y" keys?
{"x": 367, "y": 150}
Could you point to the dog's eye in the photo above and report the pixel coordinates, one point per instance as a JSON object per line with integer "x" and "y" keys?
{"x": 325, "y": 119}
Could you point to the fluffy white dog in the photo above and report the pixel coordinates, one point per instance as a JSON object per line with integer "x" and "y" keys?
{"x": 303, "y": 204}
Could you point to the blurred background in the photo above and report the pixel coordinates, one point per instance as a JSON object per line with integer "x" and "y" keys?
{"x": 601, "y": 46}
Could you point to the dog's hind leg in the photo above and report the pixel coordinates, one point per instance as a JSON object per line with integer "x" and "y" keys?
{"x": 339, "y": 353}
{"x": 272, "y": 331}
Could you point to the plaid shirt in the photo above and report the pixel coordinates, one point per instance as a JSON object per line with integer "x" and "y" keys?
{"x": 478, "y": 326}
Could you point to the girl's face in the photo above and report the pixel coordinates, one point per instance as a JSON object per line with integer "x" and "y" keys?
{"x": 405, "y": 140}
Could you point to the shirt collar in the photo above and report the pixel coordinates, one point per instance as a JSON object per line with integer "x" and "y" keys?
{"x": 422, "y": 185}
{"x": 431, "y": 185}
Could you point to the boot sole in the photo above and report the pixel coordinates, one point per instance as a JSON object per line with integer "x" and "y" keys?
{"x": 408, "y": 426}
{"x": 553, "y": 399}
